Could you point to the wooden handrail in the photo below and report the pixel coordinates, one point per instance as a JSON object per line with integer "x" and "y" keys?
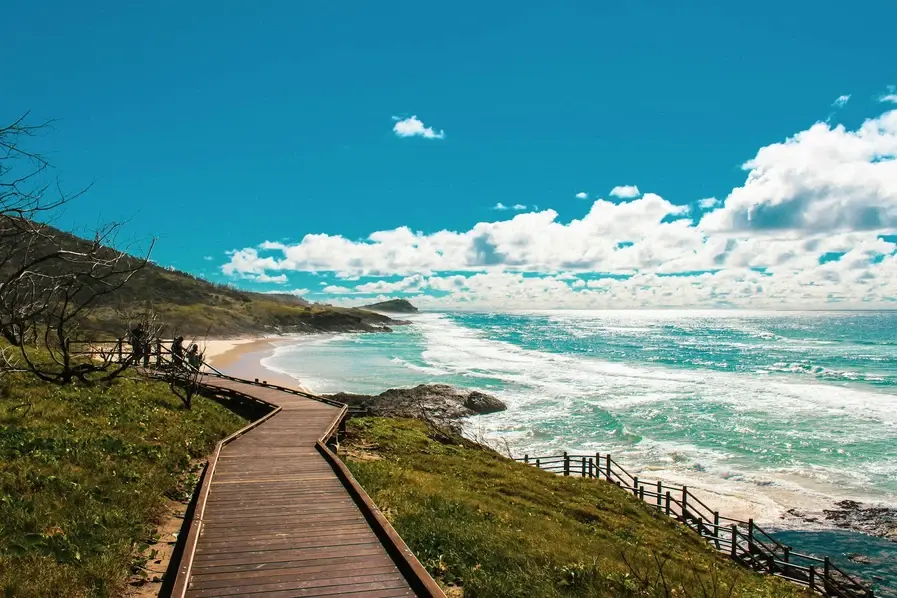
{"x": 753, "y": 547}
{"x": 415, "y": 573}
{"x": 182, "y": 578}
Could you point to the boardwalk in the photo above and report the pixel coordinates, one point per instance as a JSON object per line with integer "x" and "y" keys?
{"x": 279, "y": 522}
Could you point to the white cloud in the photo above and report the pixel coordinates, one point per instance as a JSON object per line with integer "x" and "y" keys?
{"x": 337, "y": 290}
{"x": 891, "y": 97}
{"x": 582, "y": 195}
{"x": 279, "y": 279}
{"x": 824, "y": 190}
{"x": 518, "y": 207}
{"x": 412, "y": 127}
{"x": 625, "y": 191}
{"x": 822, "y": 179}
{"x": 841, "y": 101}
{"x": 208, "y": 258}
{"x": 500, "y": 206}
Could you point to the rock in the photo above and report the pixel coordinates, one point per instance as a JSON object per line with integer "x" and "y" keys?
{"x": 440, "y": 403}
{"x": 480, "y": 402}
{"x": 873, "y": 520}
{"x": 859, "y": 558}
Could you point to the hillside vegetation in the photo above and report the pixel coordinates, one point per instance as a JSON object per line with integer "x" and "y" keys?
{"x": 84, "y": 477}
{"x": 399, "y": 306}
{"x": 485, "y": 526}
{"x": 196, "y": 307}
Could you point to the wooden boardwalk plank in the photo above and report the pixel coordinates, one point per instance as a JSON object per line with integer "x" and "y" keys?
{"x": 278, "y": 522}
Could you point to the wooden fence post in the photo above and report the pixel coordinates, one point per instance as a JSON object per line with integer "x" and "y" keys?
{"x": 659, "y": 492}
{"x": 734, "y": 547}
{"x": 591, "y": 469}
{"x": 751, "y": 537}
{"x": 598, "y": 465}
{"x": 812, "y": 577}
{"x": 716, "y": 528}
{"x": 700, "y": 526}
{"x": 583, "y": 474}
{"x": 158, "y": 352}
{"x": 526, "y": 458}
{"x": 641, "y": 493}
{"x": 538, "y": 465}
{"x": 826, "y": 573}
{"x": 668, "y": 503}
{"x": 607, "y": 461}
{"x": 566, "y": 464}
{"x": 635, "y": 485}
{"x": 684, "y": 504}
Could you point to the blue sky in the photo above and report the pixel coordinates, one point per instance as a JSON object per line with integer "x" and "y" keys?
{"x": 220, "y": 126}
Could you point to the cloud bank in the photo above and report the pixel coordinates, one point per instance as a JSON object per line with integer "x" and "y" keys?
{"x": 813, "y": 225}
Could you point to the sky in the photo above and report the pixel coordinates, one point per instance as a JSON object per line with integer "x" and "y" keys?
{"x": 497, "y": 155}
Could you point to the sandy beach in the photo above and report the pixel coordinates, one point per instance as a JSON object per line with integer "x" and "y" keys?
{"x": 242, "y": 358}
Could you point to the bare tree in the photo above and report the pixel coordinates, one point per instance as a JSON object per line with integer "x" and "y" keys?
{"x": 184, "y": 382}
{"x": 50, "y": 282}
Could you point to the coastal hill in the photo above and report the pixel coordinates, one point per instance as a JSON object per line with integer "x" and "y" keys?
{"x": 192, "y": 306}
{"x": 399, "y": 306}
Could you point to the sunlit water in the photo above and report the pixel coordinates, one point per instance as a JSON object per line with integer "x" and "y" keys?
{"x": 764, "y": 411}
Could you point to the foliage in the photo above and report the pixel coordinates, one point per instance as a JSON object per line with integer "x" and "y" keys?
{"x": 493, "y": 527}
{"x": 84, "y": 472}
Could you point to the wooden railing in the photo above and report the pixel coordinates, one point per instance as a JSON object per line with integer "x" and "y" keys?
{"x": 154, "y": 353}
{"x": 743, "y": 541}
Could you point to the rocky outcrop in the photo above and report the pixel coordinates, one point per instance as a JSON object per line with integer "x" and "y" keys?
{"x": 875, "y": 521}
{"x": 850, "y": 514}
{"x": 399, "y": 306}
{"x": 440, "y": 403}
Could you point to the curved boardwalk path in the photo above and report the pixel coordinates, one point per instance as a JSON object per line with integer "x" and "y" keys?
{"x": 278, "y": 521}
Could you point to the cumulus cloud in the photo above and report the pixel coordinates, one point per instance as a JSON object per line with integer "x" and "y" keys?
{"x": 279, "y": 279}
{"x": 582, "y": 195}
{"x": 824, "y": 191}
{"x": 500, "y": 206}
{"x": 413, "y": 127}
{"x": 518, "y": 207}
{"x": 891, "y": 97}
{"x": 841, "y": 101}
{"x": 822, "y": 179}
{"x": 625, "y": 191}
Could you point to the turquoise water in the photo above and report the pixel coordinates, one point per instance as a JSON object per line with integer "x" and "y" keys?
{"x": 760, "y": 411}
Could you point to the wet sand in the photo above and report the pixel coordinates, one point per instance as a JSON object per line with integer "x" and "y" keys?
{"x": 242, "y": 358}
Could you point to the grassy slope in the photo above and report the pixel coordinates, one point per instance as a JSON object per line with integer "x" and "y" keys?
{"x": 499, "y": 528}
{"x": 83, "y": 477}
{"x": 196, "y": 307}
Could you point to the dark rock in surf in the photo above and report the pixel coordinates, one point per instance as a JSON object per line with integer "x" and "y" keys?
{"x": 875, "y": 521}
{"x": 439, "y": 403}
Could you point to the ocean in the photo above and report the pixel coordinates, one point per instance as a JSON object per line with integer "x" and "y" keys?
{"x": 761, "y": 412}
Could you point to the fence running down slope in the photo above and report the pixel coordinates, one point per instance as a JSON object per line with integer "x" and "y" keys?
{"x": 279, "y": 513}
{"x": 744, "y": 541}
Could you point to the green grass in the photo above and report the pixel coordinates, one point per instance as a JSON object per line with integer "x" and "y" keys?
{"x": 486, "y": 526}
{"x": 84, "y": 473}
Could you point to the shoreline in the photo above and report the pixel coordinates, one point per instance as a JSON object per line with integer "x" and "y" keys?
{"x": 243, "y": 358}
{"x": 740, "y": 500}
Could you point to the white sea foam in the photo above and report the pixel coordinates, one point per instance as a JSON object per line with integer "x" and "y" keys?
{"x": 745, "y": 440}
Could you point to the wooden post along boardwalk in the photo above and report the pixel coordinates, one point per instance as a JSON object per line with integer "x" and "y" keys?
{"x": 278, "y": 514}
